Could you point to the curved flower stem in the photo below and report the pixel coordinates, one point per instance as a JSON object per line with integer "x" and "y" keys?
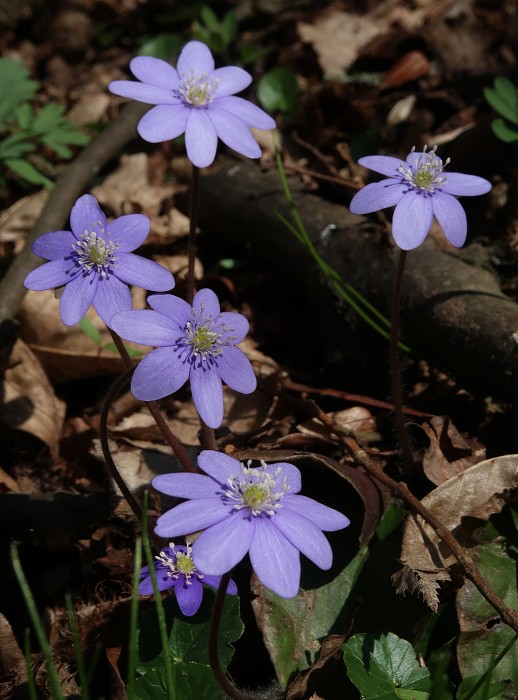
{"x": 103, "y": 434}
{"x": 401, "y": 490}
{"x": 208, "y": 437}
{"x": 171, "y": 439}
{"x": 191, "y": 245}
{"x": 399, "y": 416}
{"x": 223, "y": 680}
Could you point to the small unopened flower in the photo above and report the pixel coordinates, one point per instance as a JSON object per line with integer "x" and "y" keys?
{"x": 420, "y": 189}
{"x": 174, "y": 568}
{"x": 94, "y": 263}
{"x": 196, "y": 343}
{"x": 249, "y": 509}
{"x": 197, "y": 99}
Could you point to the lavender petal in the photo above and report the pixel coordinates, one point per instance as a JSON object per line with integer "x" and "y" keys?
{"x": 111, "y": 297}
{"x": 155, "y": 71}
{"x": 207, "y": 394}
{"x": 325, "y": 518}
{"x": 385, "y": 165}
{"x": 214, "y": 581}
{"x": 305, "y": 536}
{"x": 463, "y": 185}
{"x": 289, "y": 474}
{"x": 238, "y": 325}
{"x": 189, "y": 596}
{"x": 191, "y": 516}
{"x": 233, "y": 132}
{"x": 275, "y": 560}
{"x": 87, "y": 216}
{"x": 185, "y": 485}
{"x": 247, "y": 112}
{"x": 163, "y": 123}
{"x": 163, "y": 583}
{"x": 206, "y": 302}
{"x": 218, "y": 465}
{"x": 451, "y": 217}
{"x": 50, "y": 275}
{"x": 145, "y": 327}
{"x": 54, "y": 245}
{"x": 376, "y": 196}
{"x": 412, "y": 219}
{"x": 172, "y": 306}
{"x": 143, "y": 92}
{"x": 77, "y": 298}
{"x": 235, "y": 369}
{"x": 159, "y": 374}
{"x": 195, "y": 58}
{"x": 134, "y": 269}
{"x": 129, "y": 232}
{"x": 201, "y": 139}
{"x": 230, "y": 79}
{"x": 222, "y": 546}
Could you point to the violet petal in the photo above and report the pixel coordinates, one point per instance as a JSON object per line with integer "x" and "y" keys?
{"x": 128, "y": 231}
{"x": 159, "y": 374}
{"x": 305, "y": 536}
{"x": 275, "y": 560}
{"x": 172, "y": 306}
{"x": 163, "y": 122}
{"x": 207, "y": 394}
{"x": 201, "y": 139}
{"x": 463, "y": 185}
{"x": 230, "y": 79}
{"x": 385, "y": 165}
{"x": 189, "y": 596}
{"x": 134, "y": 269}
{"x": 247, "y": 112}
{"x": 51, "y": 274}
{"x": 155, "y": 71}
{"x": 206, "y": 301}
{"x": 412, "y": 219}
{"x": 143, "y": 92}
{"x": 77, "y": 298}
{"x": 324, "y": 517}
{"x": 218, "y": 465}
{"x": 235, "y": 370}
{"x": 191, "y": 516}
{"x": 452, "y": 218}
{"x": 112, "y": 296}
{"x": 145, "y": 327}
{"x": 195, "y": 58}
{"x": 87, "y": 216}
{"x": 376, "y": 196}
{"x": 185, "y": 485}
{"x": 238, "y": 325}
{"x": 54, "y": 245}
{"x": 233, "y": 132}
{"x": 222, "y": 546}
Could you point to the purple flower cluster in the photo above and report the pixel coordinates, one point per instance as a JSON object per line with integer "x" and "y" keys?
{"x": 174, "y": 568}
{"x": 420, "y": 190}
{"x": 196, "y": 343}
{"x": 255, "y": 510}
{"x": 197, "y": 99}
{"x": 94, "y": 263}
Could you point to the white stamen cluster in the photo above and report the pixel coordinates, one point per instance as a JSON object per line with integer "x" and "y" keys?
{"x": 426, "y": 174}
{"x": 198, "y": 90}
{"x": 183, "y": 565}
{"x": 256, "y": 489}
{"x": 93, "y": 250}
{"x": 204, "y": 335}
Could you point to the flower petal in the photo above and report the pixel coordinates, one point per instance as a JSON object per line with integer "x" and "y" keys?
{"x": 145, "y": 327}
{"x": 189, "y": 596}
{"x": 51, "y": 274}
{"x": 77, "y": 298}
{"x": 54, "y": 245}
{"x": 231, "y": 79}
{"x": 218, "y": 465}
{"x": 172, "y": 306}
{"x": 235, "y": 369}
{"x": 463, "y": 185}
{"x": 233, "y": 132}
{"x": 134, "y": 269}
{"x": 112, "y": 297}
{"x": 275, "y": 560}
{"x": 325, "y": 518}
{"x": 289, "y": 473}
{"x": 246, "y": 111}
{"x": 385, "y": 165}
{"x": 159, "y": 374}
{"x": 185, "y": 485}
{"x": 207, "y": 394}
{"x": 201, "y": 139}
{"x": 191, "y": 516}
{"x": 142, "y": 92}
{"x": 238, "y": 325}
{"x": 451, "y": 216}
{"x": 195, "y": 57}
{"x": 129, "y": 231}
{"x": 412, "y": 219}
{"x": 163, "y": 123}
{"x": 163, "y": 582}
{"x": 87, "y": 215}
{"x": 376, "y": 196}
{"x": 155, "y": 71}
{"x": 305, "y": 536}
{"x": 206, "y": 301}
{"x": 222, "y": 546}
{"x": 214, "y": 581}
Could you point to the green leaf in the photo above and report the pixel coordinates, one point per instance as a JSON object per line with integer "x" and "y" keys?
{"x": 132, "y": 352}
{"x": 210, "y": 19}
{"x": 278, "y": 90}
{"x": 480, "y": 687}
{"x": 229, "y": 27}
{"x": 24, "y": 116}
{"x": 49, "y": 118}
{"x": 28, "y": 172}
{"x": 505, "y": 132}
{"x": 411, "y": 694}
{"x": 15, "y": 87}
{"x": 507, "y": 109}
{"x": 161, "y": 46}
{"x": 188, "y": 641}
{"x": 506, "y": 89}
{"x": 379, "y": 665}
{"x": 292, "y": 626}
{"x": 15, "y": 145}
{"x": 248, "y": 53}
{"x": 90, "y": 330}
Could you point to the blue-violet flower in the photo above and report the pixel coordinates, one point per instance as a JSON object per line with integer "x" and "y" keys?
{"x": 94, "y": 263}
{"x": 196, "y": 99}
{"x": 175, "y": 569}
{"x": 245, "y": 509}
{"x": 420, "y": 190}
{"x": 196, "y": 343}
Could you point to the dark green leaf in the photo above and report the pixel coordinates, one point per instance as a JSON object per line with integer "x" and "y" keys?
{"x": 379, "y": 665}
{"x": 161, "y": 46}
{"x": 278, "y": 90}
{"x": 229, "y": 28}
{"x": 15, "y": 145}
{"x": 249, "y": 53}
{"x": 28, "y": 172}
{"x": 480, "y": 687}
{"x": 90, "y": 330}
{"x": 15, "y": 87}
{"x": 505, "y": 132}
{"x": 506, "y": 89}
{"x": 49, "y": 118}
{"x": 24, "y": 116}
{"x": 507, "y": 109}
{"x": 210, "y": 19}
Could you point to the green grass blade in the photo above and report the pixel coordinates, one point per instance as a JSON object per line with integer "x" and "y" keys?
{"x": 132, "y": 643}
{"x": 31, "y": 683}
{"x": 76, "y": 641}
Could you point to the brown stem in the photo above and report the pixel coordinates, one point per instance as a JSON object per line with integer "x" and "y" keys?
{"x": 208, "y": 437}
{"x": 401, "y": 490}
{"x": 191, "y": 246}
{"x": 223, "y": 680}
{"x": 397, "y": 399}
{"x": 171, "y": 439}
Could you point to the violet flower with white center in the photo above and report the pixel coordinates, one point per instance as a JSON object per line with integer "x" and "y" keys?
{"x": 255, "y": 510}
{"x": 197, "y": 99}
{"x": 196, "y": 343}
{"x": 174, "y": 568}
{"x": 420, "y": 190}
{"x": 94, "y": 263}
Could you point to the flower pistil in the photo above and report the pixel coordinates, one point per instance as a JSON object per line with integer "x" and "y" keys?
{"x": 93, "y": 250}
{"x": 204, "y": 336}
{"x": 182, "y": 566}
{"x": 426, "y": 173}
{"x": 197, "y": 90}
{"x": 256, "y": 489}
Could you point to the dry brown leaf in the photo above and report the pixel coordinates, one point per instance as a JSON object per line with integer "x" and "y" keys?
{"x": 477, "y": 492}
{"x": 423, "y": 583}
{"x": 29, "y": 402}
{"x": 357, "y": 419}
{"x": 12, "y": 660}
{"x": 449, "y": 453}
{"x": 20, "y": 217}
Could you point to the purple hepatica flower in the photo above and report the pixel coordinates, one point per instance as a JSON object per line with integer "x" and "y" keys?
{"x": 196, "y": 343}
{"x": 420, "y": 190}
{"x": 249, "y": 509}
{"x": 94, "y": 263}
{"x": 175, "y": 568}
{"x": 195, "y": 99}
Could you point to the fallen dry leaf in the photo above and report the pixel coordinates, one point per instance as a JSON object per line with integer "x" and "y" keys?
{"x": 477, "y": 492}
{"x": 356, "y": 419}
{"x": 28, "y": 399}
{"x": 20, "y": 217}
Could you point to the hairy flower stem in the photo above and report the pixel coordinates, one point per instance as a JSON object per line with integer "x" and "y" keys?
{"x": 399, "y": 416}
{"x": 223, "y": 680}
{"x": 171, "y": 439}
